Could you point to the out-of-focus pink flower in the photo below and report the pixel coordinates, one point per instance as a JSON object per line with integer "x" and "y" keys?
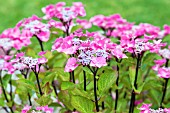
{"x": 51, "y": 10}
{"x": 45, "y": 109}
{"x": 7, "y": 57}
{"x": 42, "y": 60}
{"x": 65, "y": 45}
{"x": 56, "y": 24}
{"x": 13, "y": 37}
{"x": 41, "y": 53}
{"x": 164, "y": 72}
{"x": 145, "y": 108}
{"x": 79, "y": 9}
{"x": 137, "y": 102}
{"x": 84, "y": 23}
{"x": 117, "y": 52}
{"x": 155, "y": 67}
{"x": 9, "y": 67}
{"x": 26, "y": 109}
{"x": 160, "y": 62}
{"x": 98, "y": 62}
{"x": 65, "y": 14}
{"x": 167, "y": 29}
{"x": 155, "y": 46}
{"x": 71, "y": 64}
{"x": 167, "y": 110}
{"x": 21, "y": 54}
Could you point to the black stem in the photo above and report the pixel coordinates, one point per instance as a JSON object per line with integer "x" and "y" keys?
{"x": 84, "y": 73}
{"x": 36, "y": 74}
{"x": 165, "y": 85}
{"x": 103, "y": 105}
{"x": 41, "y": 43}
{"x": 29, "y": 98}
{"x": 70, "y": 76}
{"x": 3, "y": 90}
{"x": 10, "y": 82}
{"x": 117, "y": 83}
{"x": 131, "y": 109}
{"x": 73, "y": 77}
{"x": 55, "y": 89}
{"x": 38, "y": 84}
{"x": 95, "y": 91}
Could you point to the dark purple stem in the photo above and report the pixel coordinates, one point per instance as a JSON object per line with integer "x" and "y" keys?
{"x": 165, "y": 85}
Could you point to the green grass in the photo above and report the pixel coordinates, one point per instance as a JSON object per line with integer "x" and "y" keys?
{"x": 155, "y": 12}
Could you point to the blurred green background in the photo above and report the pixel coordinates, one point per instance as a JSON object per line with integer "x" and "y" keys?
{"x": 156, "y": 12}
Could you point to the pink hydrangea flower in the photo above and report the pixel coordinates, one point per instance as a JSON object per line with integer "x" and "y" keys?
{"x": 42, "y": 53}
{"x": 65, "y": 14}
{"x": 71, "y": 64}
{"x": 145, "y": 108}
{"x": 98, "y": 62}
{"x": 42, "y": 60}
{"x": 65, "y": 45}
{"x": 167, "y": 110}
{"x": 26, "y": 109}
{"x": 117, "y": 52}
{"x": 45, "y": 109}
{"x": 160, "y": 62}
{"x": 167, "y": 29}
{"x": 164, "y": 72}
{"x": 84, "y": 23}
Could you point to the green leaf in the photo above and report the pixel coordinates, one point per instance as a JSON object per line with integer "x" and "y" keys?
{"x": 140, "y": 88}
{"x": 2, "y": 103}
{"x": 67, "y": 85}
{"x": 87, "y": 70}
{"x": 49, "y": 78}
{"x": 64, "y": 76}
{"x": 78, "y": 92}
{"x": 132, "y": 75}
{"x": 6, "y": 79}
{"x": 48, "y": 55}
{"x": 26, "y": 83}
{"x": 56, "y": 30}
{"x": 65, "y": 98}
{"x": 31, "y": 52}
{"x": 46, "y": 88}
{"x": 147, "y": 59}
{"x": 44, "y": 100}
{"x": 82, "y": 104}
{"x": 105, "y": 82}
{"x": 9, "y": 104}
{"x": 76, "y": 27}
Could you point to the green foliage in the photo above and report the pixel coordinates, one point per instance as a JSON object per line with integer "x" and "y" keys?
{"x": 44, "y": 100}
{"x": 82, "y": 104}
{"x": 26, "y": 83}
{"x": 105, "y": 82}
{"x": 66, "y": 85}
{"x": 65, "y": 98}
{"x": 76, "y": 27}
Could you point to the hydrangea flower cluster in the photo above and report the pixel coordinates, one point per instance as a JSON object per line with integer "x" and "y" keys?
{"x": 94, "y": 51}
{"x": 35, "y": 27}
{"x": 63, "y": 12}
{"x": 163, "y": 71}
